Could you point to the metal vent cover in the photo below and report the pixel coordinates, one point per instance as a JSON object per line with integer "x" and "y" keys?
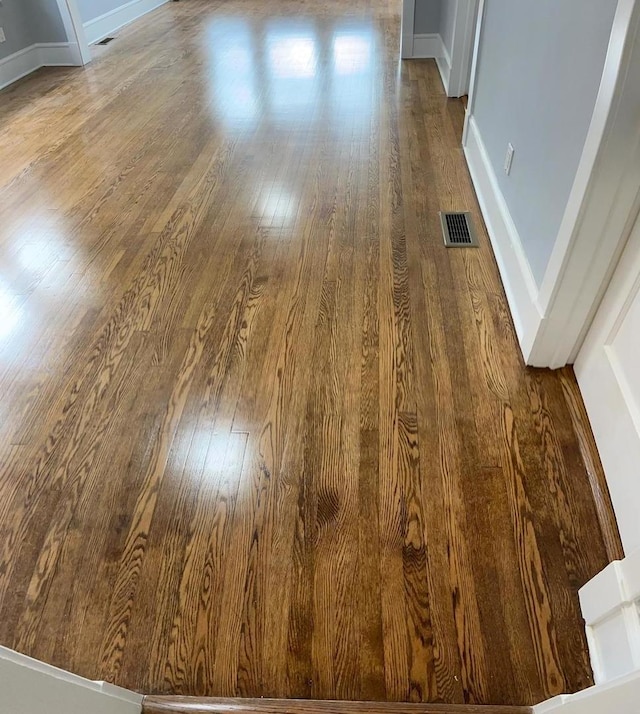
{"x": 106, "y": 41}
{"x": 457, "y": 230}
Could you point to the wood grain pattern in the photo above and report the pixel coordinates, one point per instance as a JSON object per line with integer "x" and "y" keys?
{"x": 261, "y": 434}
{"x": 159, "y": 705}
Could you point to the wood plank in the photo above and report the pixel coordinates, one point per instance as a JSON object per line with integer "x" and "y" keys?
{"x": 158, "y": 705}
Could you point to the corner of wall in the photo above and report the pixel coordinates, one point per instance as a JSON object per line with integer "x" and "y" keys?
{"x": 610, "y": 605}
{"x": 43, "y": 54}
{"x": 443, "y": 61}
{"x": 427, "y": 46}
{"x": 519, "y": 284}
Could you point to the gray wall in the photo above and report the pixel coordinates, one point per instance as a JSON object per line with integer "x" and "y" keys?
{"x": 539, "y": 72}
{"x": 90, "y": 9}
{"x": 446, "y": 24}
{"x": 26, "y": 22}
{"x": 13, "y": 18}
{"x": 427, "y": 17}
{"x": 46, "y": 22}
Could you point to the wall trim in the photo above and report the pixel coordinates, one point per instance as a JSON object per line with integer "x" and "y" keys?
{"x": 29, "y": 685}
{"x": 104, "y": 25}
{"x": 603, "y": 199}
{"x": 605, "y": 194}
{"x": 427, "y": 46}
{"x": 610, "y": 605}
{"x": 73, "y": 28}
{"x": 408, "y": 19}
{"x": 465, "y": 27}
{"x": 618, "y": 697}
{"x": 443, "y": 60}
{"x": 519, "y": 284}
{"x": 431, "y": 46}
{"x": 43, "y": 54}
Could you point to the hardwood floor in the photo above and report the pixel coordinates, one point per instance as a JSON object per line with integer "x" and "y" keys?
{"x": 194, "y": 705}
{"x": 261, "y": 433}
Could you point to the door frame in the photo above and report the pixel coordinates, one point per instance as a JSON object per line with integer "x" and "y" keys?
{"x": 455, "y": 66}
{"x": 75, "y": 30}
{"x": 408, "y": 28}
{"x": 466, "y": 27}
{"x": 556, "y": 316}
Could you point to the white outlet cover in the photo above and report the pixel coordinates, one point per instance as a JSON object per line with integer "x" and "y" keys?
{"x": 509, "y": 158}
{"x": 2, "y": 37}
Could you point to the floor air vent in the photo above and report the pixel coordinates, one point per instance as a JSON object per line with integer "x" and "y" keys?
{"x": 106, "y": 41}
{"x": 457, "y": 230}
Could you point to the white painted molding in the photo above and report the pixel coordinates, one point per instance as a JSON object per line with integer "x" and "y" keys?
{"x": 457, "y": 65}
{"x": 28, "y": 686}
{"x": 610, "y": 605}
{"x": 474, "y": 68}
{"x": 621, "y": 696}
{"x": 444, "y": 67}
{"x": 408, "y": 22}
{"x": 104, "y": 25}
{"x": 427, "y": 46}
{"x": 49, "y": 54}
{"x": 73, "y": 28}
{"x": 599, "y": 213}
{"x": 603, "y": 198}
{"x": 517, "y": 278}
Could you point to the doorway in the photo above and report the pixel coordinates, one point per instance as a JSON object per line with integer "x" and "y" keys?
{"x": 443, "y": 30}
{"x": 75, "y": 30}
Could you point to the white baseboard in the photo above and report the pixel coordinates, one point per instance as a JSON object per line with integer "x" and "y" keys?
{"x": 620, "y": 696}
{"x": 427, "y": 46}
{"x": 515, "y": 271}
{"x": 105, "y": 25}
{"x": 431, "y": 46}
{"x": 28, "y": 686}
{"x": 444, "y": 66}
{"x": 59, "y": 54}
{"x": 610, "y": 605}
{"x": 49, "y": 54}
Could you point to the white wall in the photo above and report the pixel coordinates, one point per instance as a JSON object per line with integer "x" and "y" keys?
{"x": 538, "y": 74}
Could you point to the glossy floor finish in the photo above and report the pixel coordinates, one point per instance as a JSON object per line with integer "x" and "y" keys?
{"x": 261, "y": 433}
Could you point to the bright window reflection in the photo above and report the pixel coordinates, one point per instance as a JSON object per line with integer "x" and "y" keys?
{"x": 353, "y": 78}
{"x": 277, "y": 206}
{"x": 291, "y": 56}
{"x": 292, "y": 62}
{"x": 351, "y": 54}
{"x": 10, "y": 312}
{"x": 229, "y": 44}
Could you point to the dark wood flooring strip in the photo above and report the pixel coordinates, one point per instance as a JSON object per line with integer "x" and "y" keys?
{"x": 593, "y": 465}
{"x": 183, "y": 705}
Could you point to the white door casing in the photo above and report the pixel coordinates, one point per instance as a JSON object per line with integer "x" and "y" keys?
{"x": 617, "y": 697}
{"x": 74, "y": 29}
{"x": 454, "y": 63}
{"x": 553, "y": 318}
{"x": 408, "y": 22}
{"x": 464, "y": 34}
{"x": 608, "y": 373}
